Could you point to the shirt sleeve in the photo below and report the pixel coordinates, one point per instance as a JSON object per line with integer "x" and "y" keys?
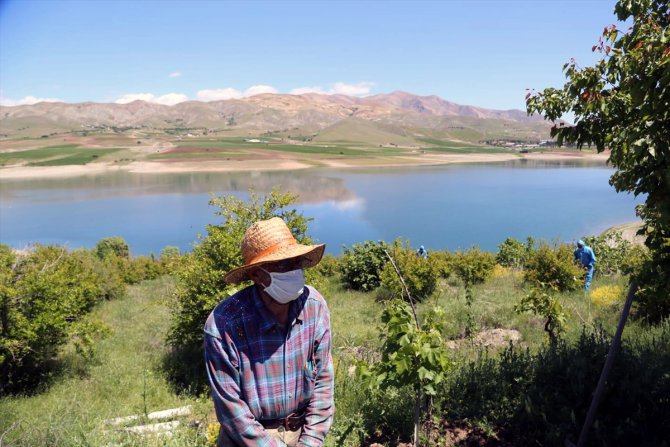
{"x": 593, "y": 256}
{"x": 319, "y": 412}
{"x": 232, "y": 412}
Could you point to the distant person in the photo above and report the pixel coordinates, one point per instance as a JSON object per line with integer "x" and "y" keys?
{"x": 422, "y": 252}
{"x": 267, "y": 347}
{"x": 587, "y": 258}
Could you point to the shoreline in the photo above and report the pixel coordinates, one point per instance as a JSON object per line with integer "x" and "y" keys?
{"x": 283, "y": 163}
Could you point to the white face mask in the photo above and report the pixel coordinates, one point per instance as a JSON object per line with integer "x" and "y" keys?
{"x": 285, "y": 287}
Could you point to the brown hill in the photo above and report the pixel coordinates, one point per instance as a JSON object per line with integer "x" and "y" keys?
{"x": 323, "y": 117}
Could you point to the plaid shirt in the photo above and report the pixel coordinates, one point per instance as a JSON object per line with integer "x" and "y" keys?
{"x": 259, "y": 370}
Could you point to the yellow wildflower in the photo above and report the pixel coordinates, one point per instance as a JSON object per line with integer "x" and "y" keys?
{"x": 212, "y": 433}
{"x": 607, "y": 295}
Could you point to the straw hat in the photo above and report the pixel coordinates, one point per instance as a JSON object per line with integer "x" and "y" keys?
{"x": 270, "y": 241}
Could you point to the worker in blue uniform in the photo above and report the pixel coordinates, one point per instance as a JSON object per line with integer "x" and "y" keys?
{"x": 422, "y": 252}
{"x": 587, "y": 258}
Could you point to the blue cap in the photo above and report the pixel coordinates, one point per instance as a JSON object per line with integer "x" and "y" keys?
{"x": 580, "y": 242}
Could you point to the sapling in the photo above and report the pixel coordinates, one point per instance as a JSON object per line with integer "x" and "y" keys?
{"x": 413, "y": 354}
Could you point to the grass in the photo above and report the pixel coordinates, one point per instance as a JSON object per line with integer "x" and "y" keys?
{"x": 312, "y": 149}
{"x": 454, "y": 147}
{"x": 190, "y": 155}
{"x": 125, "y": 379}
{"x": 126, "y": 376}
{"x": 67, "y": 154}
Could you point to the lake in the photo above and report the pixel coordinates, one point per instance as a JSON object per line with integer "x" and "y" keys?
{"x": 451, "y": 207}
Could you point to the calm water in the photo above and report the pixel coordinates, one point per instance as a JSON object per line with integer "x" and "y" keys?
{"x": 441, "y": 207}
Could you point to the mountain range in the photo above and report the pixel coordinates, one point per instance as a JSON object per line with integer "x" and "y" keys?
{"x": 397, "y": 117}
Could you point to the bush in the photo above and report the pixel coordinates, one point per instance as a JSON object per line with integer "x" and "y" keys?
{"x": 473, "y": 266}
{"x": 637, "y": 256}
{"x": 420, "y": 275}
{"x": 112, "y": 246}
{"x": 328, "y": 266}
{"x": 200, "y": 284}
{"x": 542, "y": 399}
{"x": 543, "y": 302}
{"x": 553, "y": 268}
{"x": 113, "y": 285}
{"x": 140, "y": 268}
{"x": 442, "y": 260}
{"x": 611, "y": 251}
{"x": 512, "y": 253}
{"x": 44, "y": 296}
{"x": 362, "y": 265}
{"x": 170, "y": 259}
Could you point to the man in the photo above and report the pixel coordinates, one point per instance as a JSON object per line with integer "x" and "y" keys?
{"x": 585, "y": 255}
{"x": 267, "y": 347}
{"x": 422, "y": 252}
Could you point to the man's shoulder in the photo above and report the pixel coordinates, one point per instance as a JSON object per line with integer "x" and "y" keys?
{"x": 315, "y": 304}
{"x": 314, "y": 297}
{"x": 229, "y": 311}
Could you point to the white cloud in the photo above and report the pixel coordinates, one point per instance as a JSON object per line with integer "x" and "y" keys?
{"x": 168, "y": 99}
{"x": 362, "y": 88}
{"x": 219, "y": 94}
{"x": 171, "y": 99}
{"x": 26, "y": 100}
{"x": 338, "y": 88}
{"x": 175, "y": 74}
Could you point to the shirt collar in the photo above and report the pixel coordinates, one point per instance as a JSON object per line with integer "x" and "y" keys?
{"x": 268, "y": 321}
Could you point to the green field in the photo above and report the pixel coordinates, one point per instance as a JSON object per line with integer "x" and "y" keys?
{"x": 183, "y": 155}
{"x": 127, "y": 375}
{"x": 67, "y": 154}
{"x": 331, "y": 149}
{"x": 455, "y": 147}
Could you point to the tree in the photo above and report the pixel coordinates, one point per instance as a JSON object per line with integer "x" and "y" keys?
{"x": 200, "y": 284}
{"x": 112, "y": 246}
{"x": 623, "y": 103}
{"x": 45, "y": 296}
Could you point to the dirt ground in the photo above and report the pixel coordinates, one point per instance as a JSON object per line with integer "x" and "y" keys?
{"x": 265, "y": 160}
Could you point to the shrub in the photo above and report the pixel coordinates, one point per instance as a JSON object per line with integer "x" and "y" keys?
{"x": 170, "y": 259}
{"x": 611, "y": 250}
{"x": 112, "y": 285}
{"x": 442, "y": 260}
{"x": 635, "y": 259}
{"x": 200, "y": 284}
{"x": 542, "y": 398}
{"x": 362, "y": 265}
{"x": 44, "y": 296}
{"x": 544, "y": 303}
{"x": 553, "y": 268}
{"x": 420, "y": 275}
{"x": 112, "y": 246}
{"x": 141, "y": 268}
{"x": 473, "y": 266}
{"x": 328, "y": 266}
{"x": 512, "y": 253}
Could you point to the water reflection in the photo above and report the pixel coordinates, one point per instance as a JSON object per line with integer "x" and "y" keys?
{"x": 308, "y": 186}
{"x": 451, "y": 207}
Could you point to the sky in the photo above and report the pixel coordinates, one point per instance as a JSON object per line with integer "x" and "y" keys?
{"x": 482, "y": 53}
